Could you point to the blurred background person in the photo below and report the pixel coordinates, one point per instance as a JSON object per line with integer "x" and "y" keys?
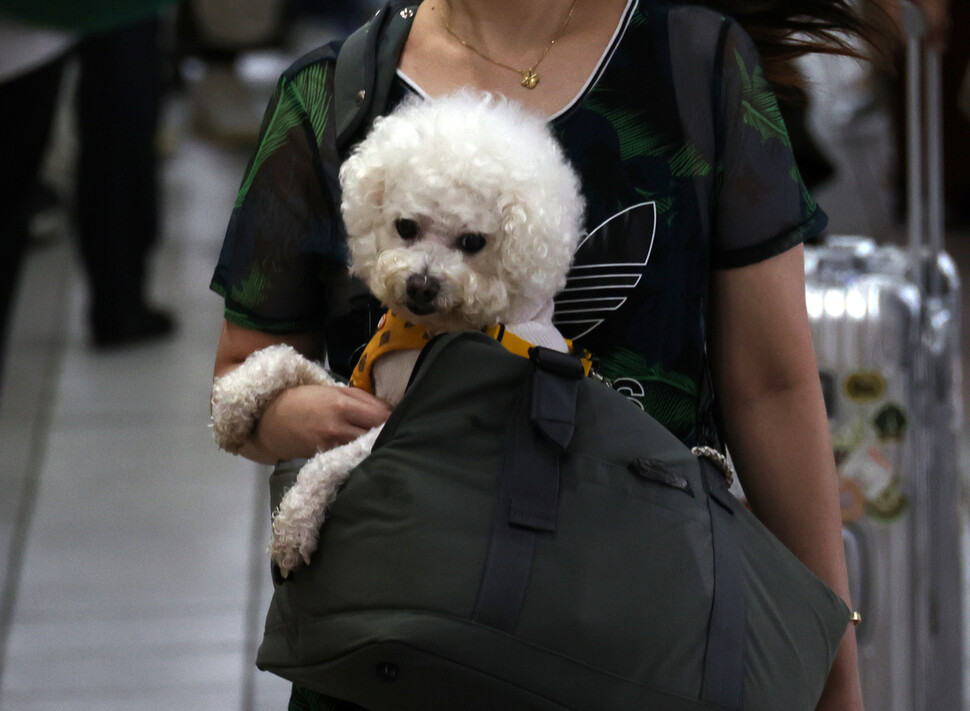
{"x": 31, "y": 62}
{"x": 118, "y": 99}
{"x": 226, "y": 103}
{"x": 240, "y": 48}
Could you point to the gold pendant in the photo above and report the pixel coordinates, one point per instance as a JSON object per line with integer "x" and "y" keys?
{"x": 529, "y": 79}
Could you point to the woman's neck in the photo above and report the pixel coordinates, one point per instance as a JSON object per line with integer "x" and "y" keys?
{"x": 507, "y": 40}
{"x": 505, "y": 24}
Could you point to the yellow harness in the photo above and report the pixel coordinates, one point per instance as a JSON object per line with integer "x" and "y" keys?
{"x": 395, "y": 334}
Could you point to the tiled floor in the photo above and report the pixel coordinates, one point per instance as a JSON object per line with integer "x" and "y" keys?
{"x": 133, "y": 573}
{"x": 133, "y": 567}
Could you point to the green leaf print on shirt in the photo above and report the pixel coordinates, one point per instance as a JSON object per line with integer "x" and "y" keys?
{"x": 250, "y": 291}
{"x": 806, "y": 196}
{"x": 314, "y": 96}
{"x": 633, "y": 134}
{"x": 689, "y": 163}
{"x": 303, "y": 98}
{"x": 636, "y": 139}
{"x": 668, "y": 396}
{"x": 759, "y": 107}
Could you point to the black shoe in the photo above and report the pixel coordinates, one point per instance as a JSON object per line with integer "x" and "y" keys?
{"x": 142, "y": 324}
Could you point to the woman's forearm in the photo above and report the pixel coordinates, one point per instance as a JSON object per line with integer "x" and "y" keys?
{"x": 781, "y": 447}
{"x": 775, "y": 426}
{"x": 278, "y": 404}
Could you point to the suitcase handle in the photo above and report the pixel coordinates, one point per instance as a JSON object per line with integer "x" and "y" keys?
{"x": 924, "y": 148}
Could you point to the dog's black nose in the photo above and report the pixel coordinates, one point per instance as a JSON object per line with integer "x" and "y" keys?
{"x": 422, "y": 289}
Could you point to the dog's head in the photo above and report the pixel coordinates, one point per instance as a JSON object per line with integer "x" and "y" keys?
{"x": 461, "y": 212}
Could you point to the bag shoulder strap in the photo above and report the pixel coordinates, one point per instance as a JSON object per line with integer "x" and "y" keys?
{"x": 723, "y": 680}
{"x": 709, "y": 426}
{"x": 366, "y": 65}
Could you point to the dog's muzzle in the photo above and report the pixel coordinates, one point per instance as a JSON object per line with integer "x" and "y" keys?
{"x": 421, "y": 291}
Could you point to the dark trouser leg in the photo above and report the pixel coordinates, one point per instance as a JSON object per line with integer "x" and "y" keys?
{"x": 118, "y": 102}
{"x": 119, "y": 98}
{"x": 28, "y": 104}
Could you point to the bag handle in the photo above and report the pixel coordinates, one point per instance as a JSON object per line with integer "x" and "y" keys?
{"x": 540, "y": 429}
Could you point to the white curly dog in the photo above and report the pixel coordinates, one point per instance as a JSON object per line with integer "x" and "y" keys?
{"x": 461, "y": 213}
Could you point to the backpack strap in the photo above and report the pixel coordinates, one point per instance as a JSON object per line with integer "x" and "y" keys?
{"x": 366, "y": 65}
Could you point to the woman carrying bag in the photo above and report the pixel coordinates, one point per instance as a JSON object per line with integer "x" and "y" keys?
{"x": 714, "y": 232}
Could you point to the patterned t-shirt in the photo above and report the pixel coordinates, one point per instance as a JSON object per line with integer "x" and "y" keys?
{"x": 685, "y": 163}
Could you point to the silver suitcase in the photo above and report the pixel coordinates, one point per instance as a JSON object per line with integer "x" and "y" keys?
{"x": 886, "y": 324}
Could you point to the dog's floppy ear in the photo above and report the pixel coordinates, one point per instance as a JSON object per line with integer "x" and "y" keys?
{"x": 363, "y": 175}
{"x": 363, "y": 184}
{"x": 542, "y": 213}
{"x": 539, "y": 239}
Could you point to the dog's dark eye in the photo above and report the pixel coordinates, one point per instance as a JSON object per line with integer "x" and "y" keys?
{"x": 471, "y": 242}
{"x": 406, "y": 228}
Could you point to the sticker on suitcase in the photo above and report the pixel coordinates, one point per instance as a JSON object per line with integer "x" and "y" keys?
{"x": 869, "y": 435}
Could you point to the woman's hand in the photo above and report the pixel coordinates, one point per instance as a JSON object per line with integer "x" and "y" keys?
{"x": 302, "y": 420}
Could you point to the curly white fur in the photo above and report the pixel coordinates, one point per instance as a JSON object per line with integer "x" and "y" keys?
{"x": 300, "y": 515}
{"x": 465, "y": 164}
{"x": 240, "y": 397}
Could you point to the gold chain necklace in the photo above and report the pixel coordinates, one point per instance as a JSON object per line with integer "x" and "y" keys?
{"x": 530, "y": 78}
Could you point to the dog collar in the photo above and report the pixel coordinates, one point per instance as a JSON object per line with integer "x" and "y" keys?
{"x": 520, "y": 346}
{"x": 393, "y": 334}
{"x": 396, "y": 334}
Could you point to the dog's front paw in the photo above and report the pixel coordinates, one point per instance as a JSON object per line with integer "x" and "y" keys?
{"x": 297, "y": 521}
{"x": 292, "y": 544}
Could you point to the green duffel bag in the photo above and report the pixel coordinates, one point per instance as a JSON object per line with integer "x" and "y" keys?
{"x": 525, "y": 538}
